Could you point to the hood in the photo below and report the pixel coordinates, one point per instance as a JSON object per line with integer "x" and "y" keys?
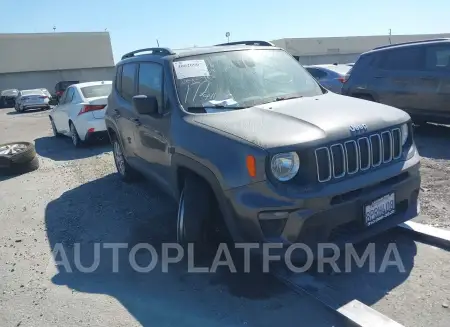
{"x": 320, "y": 119}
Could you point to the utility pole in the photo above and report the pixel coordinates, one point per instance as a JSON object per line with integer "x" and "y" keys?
{"x": 390, "y": 33}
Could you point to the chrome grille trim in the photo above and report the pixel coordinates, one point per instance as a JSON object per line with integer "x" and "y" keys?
{"x": 380, "y": 149}
{"x": 369, "y": 149}
{"x": 329, "y": 164}
{"x": 390, "y": 146}
{"x": 397, "y": 130}
{"x": 354, "y": 156}
{"x": 341, "y": 147}
{"x": 357, "y": 157}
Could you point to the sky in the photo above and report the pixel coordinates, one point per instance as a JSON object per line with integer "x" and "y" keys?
{"x": 135, "y": 24}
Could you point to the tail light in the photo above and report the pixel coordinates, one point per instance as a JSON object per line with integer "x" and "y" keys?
{"x": 91, "y": 107}
{"x": 342, "y": 79}
{"x": 25, "y": 98}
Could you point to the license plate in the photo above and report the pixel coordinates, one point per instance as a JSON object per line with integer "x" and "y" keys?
{"x": 379, "y": 209}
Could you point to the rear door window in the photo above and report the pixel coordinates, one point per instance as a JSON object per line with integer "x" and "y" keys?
{"x": 437, "y": 58}
{"x": 69, "y": 96}
{"x": 128, "y": 81}
{"x": 407, "y": 58}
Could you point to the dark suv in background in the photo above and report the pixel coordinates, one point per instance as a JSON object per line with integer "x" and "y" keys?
{"x": 413, "y": 76}
{"x": 245, "y": 131}
{"x": 61, "y": 86}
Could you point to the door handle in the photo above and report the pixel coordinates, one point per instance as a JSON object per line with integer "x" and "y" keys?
{"x": 136, "y": 121}
{"x": 117, "y": 112}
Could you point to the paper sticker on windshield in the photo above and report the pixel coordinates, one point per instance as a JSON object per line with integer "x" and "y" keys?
{"x": 191, "y": 68}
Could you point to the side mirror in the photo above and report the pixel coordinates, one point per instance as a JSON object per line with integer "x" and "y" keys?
{"x": 145, "y": 105}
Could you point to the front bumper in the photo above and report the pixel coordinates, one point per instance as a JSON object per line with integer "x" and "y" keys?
{"x": 327, "y": 214}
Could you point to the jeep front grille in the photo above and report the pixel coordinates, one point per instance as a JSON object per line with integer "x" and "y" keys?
{"x": 364, "y": 153}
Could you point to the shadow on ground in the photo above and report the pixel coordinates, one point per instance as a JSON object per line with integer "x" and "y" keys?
{"x": 433, "y": 141}
{"x": 108, "y": 211}
{"x": 388, "y": 264}
{"x": 62, "y": 149}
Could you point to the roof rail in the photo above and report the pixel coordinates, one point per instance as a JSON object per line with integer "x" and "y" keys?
{"x": 410, "y": 42}
{"x": 154, "y": 51}
{"x": 260, "y": 43}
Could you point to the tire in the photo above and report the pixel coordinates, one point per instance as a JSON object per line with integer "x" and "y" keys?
{"x": 55, "y": 131}
{"x": 20, "y": 162}
{"x": 195, "y": 213}
{"x": 76, "y": 141}
{"x": 125, "y": 171}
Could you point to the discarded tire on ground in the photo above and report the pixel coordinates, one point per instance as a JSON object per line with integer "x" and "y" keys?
{"x": 18, "y": 158}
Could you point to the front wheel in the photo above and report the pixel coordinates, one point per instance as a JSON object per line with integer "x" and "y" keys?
{"x": 195, "y": 218}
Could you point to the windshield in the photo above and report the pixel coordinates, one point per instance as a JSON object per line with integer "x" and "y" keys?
{"x": 9, "y": 92}
{"x": 96, "y": 90}
{"x": 241, "y": 79}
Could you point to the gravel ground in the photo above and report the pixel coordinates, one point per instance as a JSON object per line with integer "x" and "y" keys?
{"x": 433, "y": 142}
{"x": 75, "y": 196}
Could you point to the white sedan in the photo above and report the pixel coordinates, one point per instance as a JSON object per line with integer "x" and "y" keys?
{"x": 81, "y": 111}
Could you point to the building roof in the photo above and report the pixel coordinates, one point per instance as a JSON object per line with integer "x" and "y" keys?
{"x": 346, "y": 44}
{"x": 54, "y": 51}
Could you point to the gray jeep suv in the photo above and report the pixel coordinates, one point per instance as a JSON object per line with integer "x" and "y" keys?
{"x": 244, "y": 130}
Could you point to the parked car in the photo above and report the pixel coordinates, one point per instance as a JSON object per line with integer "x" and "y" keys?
{"x": 31, "y": 99}
{"x": 61, "y": 86}
{"x": 80, "y": 112}
{"x": 8, "y": 98}
{"x": 413, "y": 76}
{"x": 245, "y": 131}
{"x": 331, "y": 77}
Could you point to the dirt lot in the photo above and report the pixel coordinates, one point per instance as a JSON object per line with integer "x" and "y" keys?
{"x": 75, "y": 196}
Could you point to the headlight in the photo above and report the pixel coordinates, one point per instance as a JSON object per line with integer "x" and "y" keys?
{"x": 405, "y": 131}
{"x": 285, "y": 166}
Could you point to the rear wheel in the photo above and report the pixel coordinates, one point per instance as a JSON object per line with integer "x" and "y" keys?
{"x": 76, "y": 141}
{"x": 126, "y": 172}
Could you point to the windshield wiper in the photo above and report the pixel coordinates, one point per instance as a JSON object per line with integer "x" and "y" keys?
{"x": 288, "y": 98}
{"x": 217, "y": 106}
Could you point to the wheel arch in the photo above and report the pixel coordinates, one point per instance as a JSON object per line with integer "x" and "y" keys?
{"x": 186, "y": 166}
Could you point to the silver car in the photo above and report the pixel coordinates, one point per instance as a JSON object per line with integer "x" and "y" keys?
{"x": 32, "y": 99}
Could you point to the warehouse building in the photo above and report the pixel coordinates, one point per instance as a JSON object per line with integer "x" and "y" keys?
{"x": 328, "y": 50}
{"x": 38, "y": 60}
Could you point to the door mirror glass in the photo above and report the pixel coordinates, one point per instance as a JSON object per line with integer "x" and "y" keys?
{"x": 145, "y": 105}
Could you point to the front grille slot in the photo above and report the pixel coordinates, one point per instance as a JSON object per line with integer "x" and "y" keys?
{"x": 323, "y": 163}
{"x": 351, "y": 152}
{"x": 386, "y": 139}
{"x": 338, "y": 160}
{"x": 348, "y": 158}
{"x": 396, "y": 143}
{"x": 364, "y": 153}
